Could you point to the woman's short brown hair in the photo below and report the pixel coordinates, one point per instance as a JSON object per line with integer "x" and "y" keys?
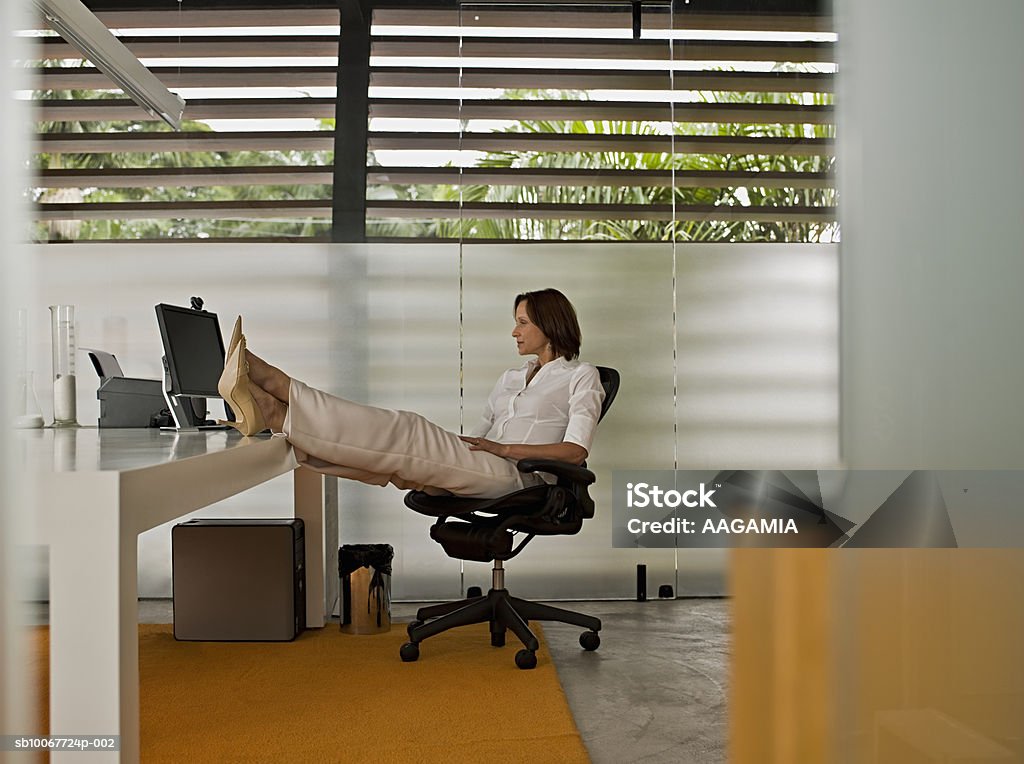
{"x": 554, "y": 315}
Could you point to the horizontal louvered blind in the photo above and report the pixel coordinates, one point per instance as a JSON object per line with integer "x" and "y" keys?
{"x": 490, "y": 121}
{"x": 253, "y": 159}
{"x": 532, "y": 121}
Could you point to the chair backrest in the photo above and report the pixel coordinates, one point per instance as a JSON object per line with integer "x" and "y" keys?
{"x": 610, "y": 383}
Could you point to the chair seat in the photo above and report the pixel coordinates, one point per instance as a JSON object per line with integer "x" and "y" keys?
{"x": 472, "y": 541}
{"x": 447, "y": 506}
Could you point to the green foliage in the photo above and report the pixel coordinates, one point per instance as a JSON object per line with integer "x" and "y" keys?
{"x": 171, "y": 228}
{"x": 467, "y": 227}
{"x": 633, "y": 230}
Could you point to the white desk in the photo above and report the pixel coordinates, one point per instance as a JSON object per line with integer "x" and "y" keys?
{"x": 96, "y": 491}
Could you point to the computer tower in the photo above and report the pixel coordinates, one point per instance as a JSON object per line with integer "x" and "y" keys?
{"x": 238, "y": 580}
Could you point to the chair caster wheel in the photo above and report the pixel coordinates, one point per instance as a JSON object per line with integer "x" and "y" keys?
{"x": 410, "y": 651}
{"x": 590, "y": 640}
{"x": 497, "y": 640}
{"x": 413, "y": 625}
{"x": 526, "y": 659}
{"x": 474, "y": 591}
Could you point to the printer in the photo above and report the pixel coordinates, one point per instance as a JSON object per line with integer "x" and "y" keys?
{"x": 126, "y": 401}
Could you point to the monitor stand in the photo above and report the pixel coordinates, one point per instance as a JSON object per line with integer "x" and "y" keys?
{"x": 184, "y": 409}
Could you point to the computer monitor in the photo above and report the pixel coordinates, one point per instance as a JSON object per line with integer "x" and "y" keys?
{"x": 193, "y": 362}
{"x": 194, "y": 349}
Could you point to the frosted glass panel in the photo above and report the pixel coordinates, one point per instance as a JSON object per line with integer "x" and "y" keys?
{"x": 932, "y": 368}
{"x": 279, "y": 291}
{"x": 752, "y": 381}
{"x": 758, "y": 355}
{"x": 758, "y": 367}
{"x": 396, "y": 339}
{"x": 381, "y": 329}
{"x": 623, "y": 295}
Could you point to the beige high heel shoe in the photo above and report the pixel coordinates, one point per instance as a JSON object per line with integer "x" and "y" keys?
{"x": 233, "y": 387}
{"x": 236, "y": 335}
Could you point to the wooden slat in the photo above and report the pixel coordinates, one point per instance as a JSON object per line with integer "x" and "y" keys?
{"x": 572, "y": 48}
{"x": 89, "y": 78}
{"x": 557, "y": 176}
{"x": 119, "y": 177}
{"x": 664, "y": 212}
{"x": 110, "y": 110}
{"x": 123, "y": 110}
{"x": 449, "y": 47}
{"x": 297, "y": 46}
{"x": 553, "y": 142}
{"x": 596, "y": 79}
{"x": 619, "y": 111}
{"x": 116, "y": 177}
{"x": 187, "y": 18}
{"x": 503, "y": 16}
{"x": 105, "y": 143}
{"x": 320, "y": 208}
{"x": 113, "y": 110}
{"x": 735, "y": 22}
{"x": 481, "y": 15}
{"x": 323, "y": 140}
{"x": 283, "y": 208}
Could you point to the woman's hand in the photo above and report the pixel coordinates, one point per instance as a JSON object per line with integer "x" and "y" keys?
{"x": 562, "y": 452}
{"x": 482, "y": 444}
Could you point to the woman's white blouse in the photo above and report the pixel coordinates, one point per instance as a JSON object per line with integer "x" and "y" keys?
{"x": 561, "y": 404}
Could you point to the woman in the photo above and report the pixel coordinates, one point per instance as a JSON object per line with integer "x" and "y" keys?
{"x": 546, "y": 409}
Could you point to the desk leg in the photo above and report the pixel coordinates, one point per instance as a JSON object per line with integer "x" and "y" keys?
{"x": 316, "y": 503}
{"x": 94, "y": 637}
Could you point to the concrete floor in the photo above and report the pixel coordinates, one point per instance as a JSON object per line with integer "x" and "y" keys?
{"x": 654, "y": 692}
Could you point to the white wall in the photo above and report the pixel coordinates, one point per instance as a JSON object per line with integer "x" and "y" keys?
{"x": 727, "y": 353}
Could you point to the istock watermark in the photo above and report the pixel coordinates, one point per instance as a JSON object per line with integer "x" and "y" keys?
{"x": 817, "y": 508}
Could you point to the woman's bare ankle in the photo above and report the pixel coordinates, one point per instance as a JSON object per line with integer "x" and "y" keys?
{"x": 270, "y": 378}
{"x": 273, "y": 410}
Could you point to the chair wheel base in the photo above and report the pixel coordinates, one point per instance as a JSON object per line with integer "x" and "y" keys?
{"x": 526, "y": 659}
{"x": 410, "y": 651}
{"x": 498, "y": 640}
{"x": 413, "y": 625}
{"x": 474, "y": 591}
{"x": 590, "y": 640}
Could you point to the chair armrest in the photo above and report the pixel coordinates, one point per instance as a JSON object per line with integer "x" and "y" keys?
{"x": 570, "y": 473}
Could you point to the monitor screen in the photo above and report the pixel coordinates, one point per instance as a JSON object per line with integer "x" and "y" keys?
{"x": 194, "y": 349}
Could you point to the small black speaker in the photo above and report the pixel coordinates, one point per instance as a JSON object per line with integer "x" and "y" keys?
{"x": 641, "y": 583}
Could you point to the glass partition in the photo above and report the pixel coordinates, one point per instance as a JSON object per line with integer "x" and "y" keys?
{"x": 572, "y": 145}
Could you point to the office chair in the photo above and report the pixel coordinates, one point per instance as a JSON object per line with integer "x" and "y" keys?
{"x": 482, "y": 530}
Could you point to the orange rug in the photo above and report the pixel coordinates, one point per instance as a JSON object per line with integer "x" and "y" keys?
{"x": 334, "y": 697}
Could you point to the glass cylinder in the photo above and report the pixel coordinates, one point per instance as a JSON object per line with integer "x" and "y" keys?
{"x": 28, "y": 415}
{"x": 62, "y": 327}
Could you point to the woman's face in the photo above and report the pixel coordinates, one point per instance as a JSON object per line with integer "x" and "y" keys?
{"x": 530, "y": 340}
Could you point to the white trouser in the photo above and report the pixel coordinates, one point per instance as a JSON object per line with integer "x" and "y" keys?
{"x": 381, "y": 446}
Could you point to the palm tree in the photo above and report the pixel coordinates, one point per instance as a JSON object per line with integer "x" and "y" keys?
{"x": 632, "y": 230}
{"x": 164, "y": 228}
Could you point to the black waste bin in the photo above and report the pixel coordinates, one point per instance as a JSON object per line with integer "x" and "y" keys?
{"x": 365, "y": 571}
